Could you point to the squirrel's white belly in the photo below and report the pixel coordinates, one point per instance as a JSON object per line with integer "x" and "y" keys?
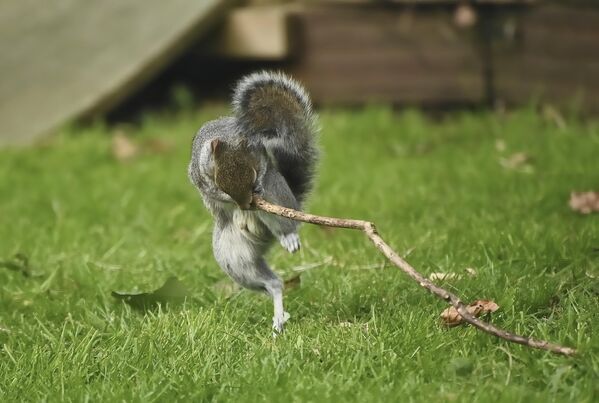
{"x": 249, "y": 224}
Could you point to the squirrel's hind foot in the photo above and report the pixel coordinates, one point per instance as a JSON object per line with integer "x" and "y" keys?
{"x": 278, "y": 324}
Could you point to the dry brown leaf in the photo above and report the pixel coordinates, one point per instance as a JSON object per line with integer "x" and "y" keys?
{"x": 584, "y": 202}
{"x": 500, "y": 145}
{"x": 465, "y": 15}
{"x": 157, "y": 146}
{"x": 551, "y": 114}
{"x": 123, "y": 149}
{"x": 451, "y": 317}
{"x": 173, "y": 291}
{"x": 519, "y": 160}
{"x": 293, "y": 282}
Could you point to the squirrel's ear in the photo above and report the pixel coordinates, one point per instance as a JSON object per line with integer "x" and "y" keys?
{"x": 214, "y": 145}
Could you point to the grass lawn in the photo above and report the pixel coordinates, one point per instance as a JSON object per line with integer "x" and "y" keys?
{"x": 439, "y": 194}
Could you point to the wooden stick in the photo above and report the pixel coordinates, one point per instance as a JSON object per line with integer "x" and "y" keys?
{"x": 370, "y": 230}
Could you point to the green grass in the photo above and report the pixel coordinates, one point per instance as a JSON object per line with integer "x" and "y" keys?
{"x": 438, "y": 193}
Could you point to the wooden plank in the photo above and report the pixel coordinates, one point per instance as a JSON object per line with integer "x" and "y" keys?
{"x": 258, "y": 33}
{"x": 71, "y": 58}
{"x": 425, "y": 2}
{"x": 554, "y": 57}
{"x": 397, "y": 56}
{"x": 541, "y": 42}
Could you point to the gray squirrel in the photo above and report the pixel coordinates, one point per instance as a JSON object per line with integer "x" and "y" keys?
{"x": 267, "y": 147}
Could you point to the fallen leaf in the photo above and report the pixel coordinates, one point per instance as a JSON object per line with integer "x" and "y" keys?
{"x": 518, "y": 161}
{"x": 552, "y": 115}
{"x": 465, "y": 15}
{"x": 123, "y": 148}
{"x": 584, "y": 202}
{"x": 500, "y": 145}
{"x": 293, "y": 282}
{"x": 471, "y": 272}
{"x": 173, "y": 292}
{"x": 157, "y": 146}
{"x": 451, "y": 317}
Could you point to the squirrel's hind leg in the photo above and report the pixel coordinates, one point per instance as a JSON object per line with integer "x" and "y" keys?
{"x": 242, "y": 260}
{"x": 275, "y": 289}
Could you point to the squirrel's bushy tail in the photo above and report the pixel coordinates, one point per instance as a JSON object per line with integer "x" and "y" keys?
{"x": 276, "y": 110}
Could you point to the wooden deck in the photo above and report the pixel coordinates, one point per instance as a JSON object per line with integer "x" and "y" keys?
{"x": 75, "y": 59}
{"x": 65, "y": 59}
{"x": 352, "y": 56}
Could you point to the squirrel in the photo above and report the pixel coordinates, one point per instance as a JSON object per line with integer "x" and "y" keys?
{"x": 267, "y": 147}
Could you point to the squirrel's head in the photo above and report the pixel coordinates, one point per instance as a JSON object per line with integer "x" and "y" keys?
{"x": 235, "y": 171}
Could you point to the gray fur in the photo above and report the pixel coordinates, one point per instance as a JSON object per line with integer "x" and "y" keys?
{"x": 284, "y": 123}
{"x": 287, "y": 153}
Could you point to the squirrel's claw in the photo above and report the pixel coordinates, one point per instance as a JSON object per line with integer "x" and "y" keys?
{"x": 278, "y": 324}
{"x": 291, "y": 242}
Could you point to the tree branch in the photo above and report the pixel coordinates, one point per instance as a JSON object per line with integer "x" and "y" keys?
{"x": 370, "y": 230}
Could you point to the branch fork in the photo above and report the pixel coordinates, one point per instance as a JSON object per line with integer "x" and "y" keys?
{"x": 371, "y": 232}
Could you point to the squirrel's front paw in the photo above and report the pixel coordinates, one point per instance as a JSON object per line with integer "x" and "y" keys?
{"x": 291, "y": 242}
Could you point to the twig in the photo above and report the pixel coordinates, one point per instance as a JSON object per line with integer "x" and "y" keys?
{"x": 370, "y": 230}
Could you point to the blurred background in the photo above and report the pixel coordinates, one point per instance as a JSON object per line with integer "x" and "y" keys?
{"x": 71, "y": 60}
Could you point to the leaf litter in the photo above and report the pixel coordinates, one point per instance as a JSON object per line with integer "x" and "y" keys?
{"x": 451, "y": 317}
{"x": 173, "y": 291}
{"x": 519, "y": 161}
{"x": 125, "y": 149}
{"x": 584, "y": 202}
